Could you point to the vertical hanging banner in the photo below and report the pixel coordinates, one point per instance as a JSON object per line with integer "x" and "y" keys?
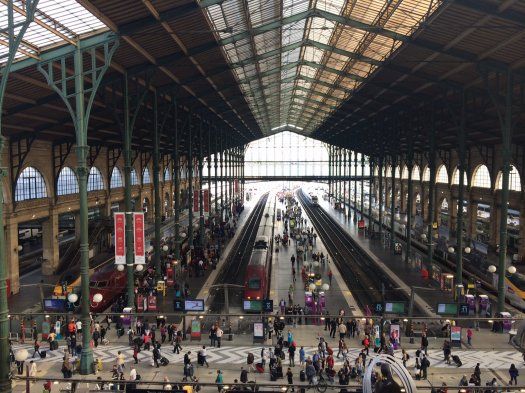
{"x": 196, "y": 200}
{"x": 206, "y": 196}
{"x": 120, "y": 238}
{"x": 236, "y": 186}
{"x": 138, "y": 238}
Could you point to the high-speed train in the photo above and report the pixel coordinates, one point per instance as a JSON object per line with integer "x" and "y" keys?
{"x": 257, "y": 280}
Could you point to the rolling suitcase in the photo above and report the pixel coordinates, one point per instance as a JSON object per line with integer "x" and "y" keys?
{"x": 259, "y": 367}
{"x": 302, "y": 376}
{"x": 164, "y": 361}
{"x": 457, "y": 360}
{"x": 43, "y": 354}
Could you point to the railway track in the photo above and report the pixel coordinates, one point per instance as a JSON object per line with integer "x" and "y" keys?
{"x": 233, "y": 271}
{"x": 368, "y": 284}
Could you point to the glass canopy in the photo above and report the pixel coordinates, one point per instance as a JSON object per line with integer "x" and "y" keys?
{"x": 297, "y": 60}
{"x": 56, "y": 22}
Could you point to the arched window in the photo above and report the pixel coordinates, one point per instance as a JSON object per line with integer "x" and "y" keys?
{"x": 404, "y": 175}
{"x": 30, "y": 185}
{"x": 376, "y": 171}
{"x": 514, "y": 180}
{"x": 95, "y": 181}
{"x": 134, "y": 177}
{"x": 416, "y": 173}
{"x": 481, "y": 177}
{"x": 426, "y": 174}
{"x": 455, "y": 177}
{"x": 67, "y": 182}
{"x": 388, "y": 172}
{"x": 146, "y": 179}
{"x": 116, "y": 178}
{"x": 442, "y": 175}
{"x": 167, "y": 174}
{"x": 398, "y": 172}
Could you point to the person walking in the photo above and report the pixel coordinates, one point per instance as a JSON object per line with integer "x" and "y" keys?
{"x": 136, "y": 353}
{"x": 120, "y": 360}
{"x": 36, "y": 346}
{"x": 219, "y": 380}
{"x": 202, "y": 356}
{"x": 244, "y": 375}
{"x": 302, "y": 356}
{"x": 333, "y": 327}
{"x": 291, "y": 355}
{"x": 32, "y": 369}
{"x": 469, "y": 336}
{"x": 425, "y": 364}
{"x": 342, "y": 330}
{"x": 513, "y": 372}
{"x": 330, "y": 275}
{"x": 176, "y": 344}
{"x": 249, "y": 360}
{"x": 156, "y": 356}
{"x": 404, "y": 357}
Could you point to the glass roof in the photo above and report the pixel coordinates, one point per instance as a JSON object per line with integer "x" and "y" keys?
{"x": 298, "y": 60}
{"x": 56, "y": 22}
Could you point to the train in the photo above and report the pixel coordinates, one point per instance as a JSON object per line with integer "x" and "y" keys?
{"x": 314, "y": 199}
{"x": 515, "y": 289}
{"x": 257, "y": 276}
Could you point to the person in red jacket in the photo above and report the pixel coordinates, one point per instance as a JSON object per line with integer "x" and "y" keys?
{"x": 330, "y": 362}
{"x": 366, "y": 344}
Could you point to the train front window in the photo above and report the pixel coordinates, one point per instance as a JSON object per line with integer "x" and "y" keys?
{"x": 517, "y": 279}
{"x": 254, "y": 283}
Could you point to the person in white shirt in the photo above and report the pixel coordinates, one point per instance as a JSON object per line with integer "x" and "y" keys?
{"x": 219, "y": 336}
{"x": 32, "y": 369}
{"x": 79, "y": 326}
{"x": 133, "y": 374}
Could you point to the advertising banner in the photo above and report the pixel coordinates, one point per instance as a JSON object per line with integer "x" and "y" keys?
{"x": 120, "y": 238}
{"x": 455, "y": 333}
{"x": 236, "y": 185}
{"x": 395, "y": 334}
{"x": 258, "y": 330}
{"x": 195, "y": 329}
{"x": 206, "y": 196}
{"x": 138, "y": 238}
{"x": 196, "y": 200}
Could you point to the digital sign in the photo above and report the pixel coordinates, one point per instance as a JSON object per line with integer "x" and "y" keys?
{"x": 395, "y": 307}
{"x": 252, "y": 305}
{"x": 447, "y": 309}
{"x": 194, "y": 305}
{"x": 55, "y": 305}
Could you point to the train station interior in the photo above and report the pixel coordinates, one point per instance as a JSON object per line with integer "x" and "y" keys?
{"x": 272, "y": 170}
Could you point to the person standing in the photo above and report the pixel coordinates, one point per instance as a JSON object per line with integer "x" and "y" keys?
{"x": 425, "y": 364}
{"x": 37, "y": 349}
{"x": 333, "y": 327}
{"x": 302, "y": 356}
{"x": 249, "y": 360}
{"x": 136, "y": 353}
{"x": 219, "y": 333}
{"x": 330, "y": 275}
{"x": 202, "y": 354}
{"x": 120, "y": 360}
{"x": 244, "y": 375}
{"x": 424, "y": 343}
{"x": 342, "y": 330}
{"x": 513, "y": 372}
{"x": 289, "y": 377}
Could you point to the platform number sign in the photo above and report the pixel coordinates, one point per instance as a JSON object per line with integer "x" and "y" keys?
{"x": 378, "y": 308}
{"x": 267, "y": 305}
{"x": 178, "y": 305}
{"x": 464, "y": 309}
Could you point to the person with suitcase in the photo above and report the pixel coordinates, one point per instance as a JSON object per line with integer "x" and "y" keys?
{"x": 202, "y": 357}
{"x": 244, "y": 375}
{"x": 289, "y": 377}
{"x": 37, "y": 349}
{"x": 156, "y": 356}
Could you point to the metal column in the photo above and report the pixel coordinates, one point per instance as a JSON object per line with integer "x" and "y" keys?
{"x": 156, "y": 189}
{"x": 431, "y": 194}
{"x": 190, "y": 184}
{"x": 410, "y": 166}
{"x": 371, "y": 188}
{"x": 13, "y": 44}
{"x": 201, "y": 192}
{"x": 176, "y": 179}
{"x": 461, "y": 188}
{"x": 380, "y": 196}
{"x": 215, "y": 174}
{"x": 393, "y": 204}
{"x": 344, "y": 183}
{"x": 362, "y": 185}
{"x": 329, "y": 173}
{"x": 355, "y": 186}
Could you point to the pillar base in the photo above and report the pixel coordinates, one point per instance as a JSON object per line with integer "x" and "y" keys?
{"x": 86, "y": 361}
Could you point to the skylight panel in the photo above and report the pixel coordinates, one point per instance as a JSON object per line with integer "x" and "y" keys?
{"x": 71, "y": 15}
{"x": 294, "y": 7}
{"x": 320, "y": 30}
{"x": 313, "y": 54}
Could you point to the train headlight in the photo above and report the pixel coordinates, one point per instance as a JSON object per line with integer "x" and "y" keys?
{"x": 258, "y": 298}
{"x": 72, "y": 298}
{"x": 97, "y": 297}
{"x": 511, "y": 269}
{"x": 249, "y": 297}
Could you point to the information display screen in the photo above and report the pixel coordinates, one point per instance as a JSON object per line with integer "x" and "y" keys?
{"x": 252, "y": 305}
{"x": 447, "y": 308}
{"x": 395, "y": 307}
{"x": 55, "y": 305}
{"x": 258, "y": 330}
{"x": 194, "y": 305}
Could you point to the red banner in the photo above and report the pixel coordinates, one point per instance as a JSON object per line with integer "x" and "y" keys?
{"x": 120, "y": 238}
{"x": 206, "y": 201}
{"x": 138, "y": 238}
{"x": 236, "y": 186}
{"x": 196, "y": 200}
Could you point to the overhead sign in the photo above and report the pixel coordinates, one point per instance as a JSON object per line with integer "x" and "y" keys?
{"x": 120, "y": 238}
{"x": 464, "y": 310}
{"x": 55, "y": 305}
{"x": 378, "y": 308}
{"x": 252, "y": 305}
{"x": 268, "y": 305}
{"x": 138, "y": 238}
{"x": 178, "y": 305}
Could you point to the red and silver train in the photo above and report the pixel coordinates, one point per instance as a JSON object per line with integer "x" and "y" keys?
{"x": 257, "y": 277}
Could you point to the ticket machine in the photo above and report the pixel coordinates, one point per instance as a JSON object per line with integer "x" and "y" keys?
{"x": 309, "y": 300}
{"x": 483, "y": 304}
{"x": 471, "y": 301}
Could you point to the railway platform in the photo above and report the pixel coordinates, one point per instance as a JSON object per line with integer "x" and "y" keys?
{"x": 427, "y": 293}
